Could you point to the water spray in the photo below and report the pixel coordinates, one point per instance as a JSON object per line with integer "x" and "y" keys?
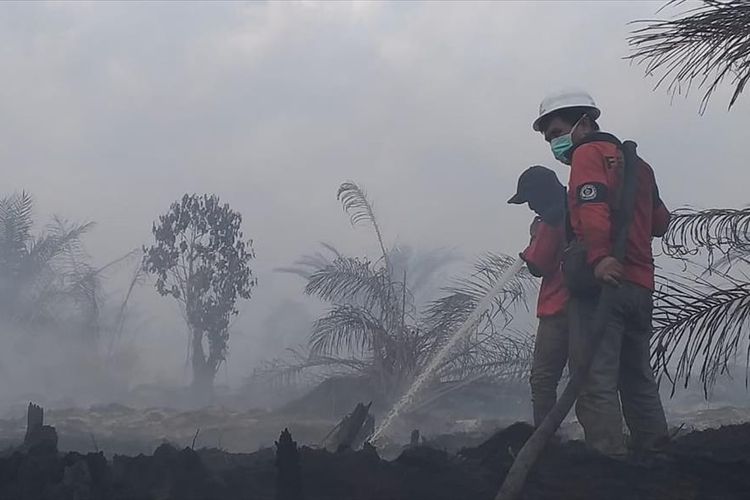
{"x": 462, "y": 332}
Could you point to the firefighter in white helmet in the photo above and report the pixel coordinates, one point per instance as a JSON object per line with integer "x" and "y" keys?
{"x": 620, "y": 372}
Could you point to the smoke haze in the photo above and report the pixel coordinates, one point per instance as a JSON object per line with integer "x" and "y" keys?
{"x": 111, "y": 111}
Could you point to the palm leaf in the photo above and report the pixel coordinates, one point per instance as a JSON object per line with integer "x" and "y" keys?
{"x": 15, "y": 228}
{"x": 487, "y": 349}
{"x": 85, "y": 294}
{"x": 69, "y": 236}
{"x": 372, "y": 326}
{"x": 289, "y": 369}
{"x": 345, "y": 328}
{"x": 16, "y": 213}
{"x": 47, "y": 281}
{"x": 137, "y": 277}
{"x": 722, "y": 230}
{"x": 699, "y": 325}
{"x": 306, "y": 265}
{"x": 283, "y": 371}
{"x": 447, "y": 313}
{"x": 62, "y": 239}
{"x": 729, "y": 259}
{"x": 706, "y": 45}
{"x": 422, "y": 267}
{"x": 348, "y": 364}
{"x": 494, "y": 355}
{"x": 360, "y": 210}
{"x": 352, "y": 280}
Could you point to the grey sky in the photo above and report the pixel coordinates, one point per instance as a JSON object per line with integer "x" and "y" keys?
{"x": 110, "y": 111}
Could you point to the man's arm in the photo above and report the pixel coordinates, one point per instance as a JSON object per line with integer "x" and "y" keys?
{"x": 591, "y": 191}
{"x": 660, "y": 216}
{"x": 660, "y": 222}
{"x": 529, "y": 251}
{"x": 542, "y": 256}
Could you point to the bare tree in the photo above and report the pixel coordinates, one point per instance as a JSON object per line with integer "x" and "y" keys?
{"x": 705, "y": 46}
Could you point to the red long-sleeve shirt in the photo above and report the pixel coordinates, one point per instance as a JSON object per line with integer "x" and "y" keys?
{"x": 544, "y": 256}
{"x": 594, "y": 188}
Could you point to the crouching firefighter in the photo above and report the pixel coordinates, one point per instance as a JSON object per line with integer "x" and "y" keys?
{"x": 539, "y": 187}
{"x": 620, "y": 372}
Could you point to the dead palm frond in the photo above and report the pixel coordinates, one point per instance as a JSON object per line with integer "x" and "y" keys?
{"x": 137, "y": 277}
{"x": 705, "y": 45}
{"x": 699, "y": 324}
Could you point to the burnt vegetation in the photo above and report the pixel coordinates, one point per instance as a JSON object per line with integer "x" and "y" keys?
{"x": 708, "y": 464}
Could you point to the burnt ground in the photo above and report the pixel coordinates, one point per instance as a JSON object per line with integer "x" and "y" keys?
{"x": 711, "y": 464}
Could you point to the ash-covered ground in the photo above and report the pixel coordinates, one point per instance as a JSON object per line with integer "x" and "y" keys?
{"x": 710, "y": 464}
{"x": 119, "y": 452}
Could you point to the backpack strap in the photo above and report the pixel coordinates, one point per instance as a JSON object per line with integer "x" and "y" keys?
{"x": 627, "y": 198}
{"x": 569, "y": 234}
{"x": 598, "y": 137}
{"x": 622, "y": 214}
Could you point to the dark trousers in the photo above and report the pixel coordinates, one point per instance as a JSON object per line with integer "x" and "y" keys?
{"x": 550, "y": 357}
{"x": 620, "y": 373}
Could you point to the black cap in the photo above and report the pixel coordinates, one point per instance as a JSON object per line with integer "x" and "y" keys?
{"x": 533, "y": 180}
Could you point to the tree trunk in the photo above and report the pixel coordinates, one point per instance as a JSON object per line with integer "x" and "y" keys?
{"x": 289, "y": 477}
{"x": 203, "y": 374}
{"x": 349, "y": 430}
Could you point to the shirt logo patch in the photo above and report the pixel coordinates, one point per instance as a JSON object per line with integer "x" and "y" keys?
{"x": 588, "y": 192}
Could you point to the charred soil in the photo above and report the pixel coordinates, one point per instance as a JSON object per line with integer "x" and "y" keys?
{"x": 711, "y": 464}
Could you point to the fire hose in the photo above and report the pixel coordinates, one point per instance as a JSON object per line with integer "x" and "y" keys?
{"x": 524, "y": 461}
{"x": 526, "y": 458}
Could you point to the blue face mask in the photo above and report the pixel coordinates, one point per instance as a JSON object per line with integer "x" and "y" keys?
{"x": 562, "y": 145}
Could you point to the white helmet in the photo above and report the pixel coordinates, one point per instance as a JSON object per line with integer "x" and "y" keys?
{"x": 566, "y": 99}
